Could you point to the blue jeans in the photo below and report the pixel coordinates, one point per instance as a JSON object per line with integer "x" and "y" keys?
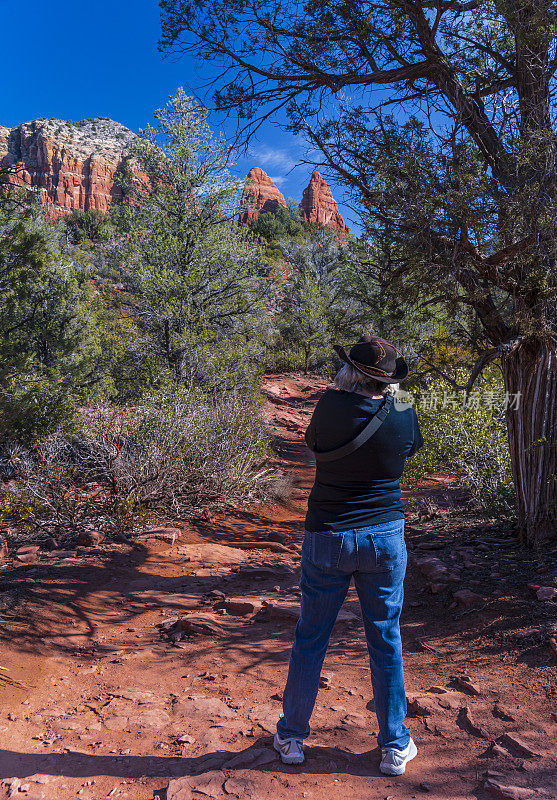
{"x": 376, "y": 557}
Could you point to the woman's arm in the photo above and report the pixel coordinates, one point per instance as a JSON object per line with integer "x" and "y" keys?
{"x": 310, "y": 436}
{"x": 418, "y": 438}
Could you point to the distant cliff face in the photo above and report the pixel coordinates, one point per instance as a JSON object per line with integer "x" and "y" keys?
{"x": 73, "y": 164}
{"x": 318, "y": 205}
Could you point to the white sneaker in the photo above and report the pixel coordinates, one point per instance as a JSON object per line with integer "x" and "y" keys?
{"x": 291, "y": 750}
{"x": 393, "y": 761}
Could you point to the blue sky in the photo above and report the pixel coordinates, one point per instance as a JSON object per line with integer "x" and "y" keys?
{"x": 73, "y": 59}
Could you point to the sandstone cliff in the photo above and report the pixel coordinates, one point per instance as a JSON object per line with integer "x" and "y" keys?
{"x": 260, "y": 196}
{"x": 318, "y": 205}
{"x": 72, "y": 164}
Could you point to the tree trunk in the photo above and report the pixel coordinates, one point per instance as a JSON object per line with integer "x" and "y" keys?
{"x": 530, "y": 376}
{"x": 307, "y": 354}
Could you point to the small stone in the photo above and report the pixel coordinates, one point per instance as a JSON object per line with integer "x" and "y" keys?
{"x": 500, "y": 790}
{"x": 216, "y": 594}
{"x": 425, "y": 787}
{"x": 502, "y": 712}
{"x": 325, "y": 680}
{"x": 27, "y": 548}
{"x": 432, "y": 568}
{"x": 513, "y": 742}
{"x": 61, "y": 554}
{"x": 242, "y": 608}
{"x": 467, "y": 598}
{"x": 199, "y": 625}
{"x": 546, "y": 593}
{"x": 527, "y": 633}
{"x": 465, "y": 683}
{"x": 437, "y": 588}
{"x": 465, "y": 721}
{"x": 90, "y": 538}
{"x": 167, "y": 623}
{"x": 27, "y": 558}
{"x": 450, "y": 700}
{"x": 277, "y": 536}
{"x": 496, "y": 751}
{"x": 421, "y": 706}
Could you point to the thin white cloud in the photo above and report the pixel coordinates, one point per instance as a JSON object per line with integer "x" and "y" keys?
{"x": 278, "y": 181}
{"x": 273, "y": 157}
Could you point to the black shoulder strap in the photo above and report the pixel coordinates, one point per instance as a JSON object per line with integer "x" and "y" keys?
{"x": 373, "y": 425}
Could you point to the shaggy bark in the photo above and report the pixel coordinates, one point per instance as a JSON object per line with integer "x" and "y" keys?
{"x": 530, "y": 375}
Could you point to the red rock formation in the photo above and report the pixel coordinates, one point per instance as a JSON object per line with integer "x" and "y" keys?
{"x": 72, "y": 164}
{"x": 318, "y": 205}
{"x": 260, "y": 196}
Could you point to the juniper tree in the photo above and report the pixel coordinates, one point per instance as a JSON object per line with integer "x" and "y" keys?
{"x": 194, "y": 276}
{"x": 439, "y": 115}
{"x": 49, "y": 338}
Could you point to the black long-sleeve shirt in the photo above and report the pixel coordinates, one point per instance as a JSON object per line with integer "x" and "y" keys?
{"x": 362, "y": 488}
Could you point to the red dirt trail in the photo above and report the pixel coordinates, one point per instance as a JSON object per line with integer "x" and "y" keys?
{"x": 110, "y": 706}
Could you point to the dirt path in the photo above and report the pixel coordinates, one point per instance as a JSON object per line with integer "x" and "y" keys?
{"x": 113, "y": 706}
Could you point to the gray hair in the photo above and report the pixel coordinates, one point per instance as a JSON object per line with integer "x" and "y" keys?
{"x": 352, "y": 380}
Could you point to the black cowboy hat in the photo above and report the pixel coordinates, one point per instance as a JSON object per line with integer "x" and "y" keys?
{"x": 376, "y": 358}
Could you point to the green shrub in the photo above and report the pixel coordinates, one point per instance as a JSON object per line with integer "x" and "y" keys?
{"x": 179, "y": 451}
{"x": 92, "y": 225}
{"x": 467, "y": 441}
{"x": 184, "y": 450}
{"x": 48, "y": 326}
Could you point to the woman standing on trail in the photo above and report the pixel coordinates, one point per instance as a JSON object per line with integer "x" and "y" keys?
{"x": 355, "y": 528}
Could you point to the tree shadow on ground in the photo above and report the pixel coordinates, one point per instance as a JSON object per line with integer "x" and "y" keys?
{"x": 84, "y": 765}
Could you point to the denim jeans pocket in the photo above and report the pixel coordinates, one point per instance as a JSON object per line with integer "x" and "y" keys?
{"x": 325, "y": 548}
{"x": 390, "y": 549}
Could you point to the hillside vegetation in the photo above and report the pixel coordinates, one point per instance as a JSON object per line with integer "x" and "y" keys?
{"x": 133, "y": 344}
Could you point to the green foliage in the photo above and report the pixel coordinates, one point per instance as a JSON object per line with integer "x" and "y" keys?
{"x": 195, "y": 279}
{"x": 179, "y": 451}
{"x": 88, "y": 226}
{"x": 332, "y": 296}
{"x": 314, "y": 309}
{"x": 189, "y": 450}
{"x": 48, "y": 332}
{"x": 468, "y": 442}
{"x": 283, "y": 222}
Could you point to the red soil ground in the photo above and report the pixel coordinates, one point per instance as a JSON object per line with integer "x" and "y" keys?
{"x": 106, "y": 706}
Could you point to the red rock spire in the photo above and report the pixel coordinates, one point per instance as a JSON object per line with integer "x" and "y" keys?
{"x": 318, "y": 205}
{"x": 260, "y": 195}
